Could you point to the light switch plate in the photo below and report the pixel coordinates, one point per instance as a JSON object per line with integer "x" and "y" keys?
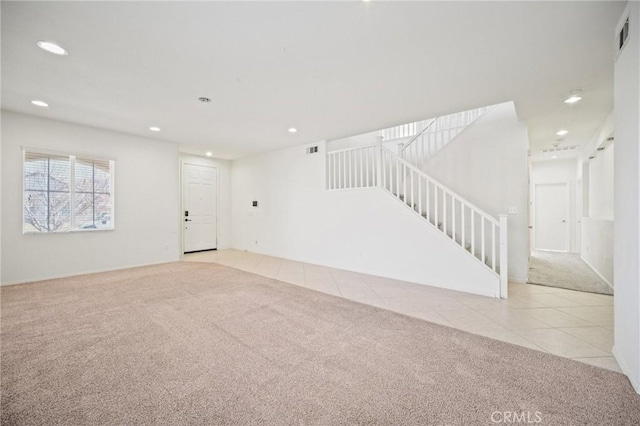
{"x": 513, "y": 210}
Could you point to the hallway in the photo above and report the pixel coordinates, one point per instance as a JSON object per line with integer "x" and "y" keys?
{"x": 565, "y": 270}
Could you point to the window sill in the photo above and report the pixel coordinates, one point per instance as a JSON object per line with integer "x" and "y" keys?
{"x": 77, "y": 231}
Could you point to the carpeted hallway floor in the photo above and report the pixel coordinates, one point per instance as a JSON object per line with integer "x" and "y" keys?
{"x": 565, "y": 270}
{"x": 195, "y": 343}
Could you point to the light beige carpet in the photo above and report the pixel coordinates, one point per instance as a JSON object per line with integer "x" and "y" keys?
{"x": 565, "y": 270}
{"x": 196, "y": 343}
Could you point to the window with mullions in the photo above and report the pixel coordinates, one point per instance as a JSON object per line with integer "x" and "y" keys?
{"x": 67, "y": 193}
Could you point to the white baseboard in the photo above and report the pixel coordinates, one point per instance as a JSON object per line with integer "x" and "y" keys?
{"x": 518, "y": 279}
{"x": 596, "y": 271}
{"x": 76, "y": 274}
{"x": 625, "y": 370}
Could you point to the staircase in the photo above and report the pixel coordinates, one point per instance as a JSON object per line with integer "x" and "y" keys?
{"x": 436, "y": 134}
{"x": 479, "y": 234}
{"x": 404, "y": 131}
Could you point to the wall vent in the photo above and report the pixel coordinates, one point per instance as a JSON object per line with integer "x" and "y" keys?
{"x": 560, "y": 148}
{"x": 623, "y": 36}
{"x": 312, "y": 150}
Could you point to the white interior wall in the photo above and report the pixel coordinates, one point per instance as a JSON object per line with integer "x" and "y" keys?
{"x": 597, "y": 221}
{"x": 601, "y": 184}
{"x": 360, "y": 230}
{"x": 626, "y": 247}
{"x": 600, "y": 192}
{"x": 488, "y": 165}
{"x": 224, "y": 194}
{"x": 352, "y": 141}
{"x": 579, "y": 204}
{"x": 1, "y": 200}
{"x": 146, "y": 202}
{"x": 560, "y": 171}
{"x": 597, "y": 247}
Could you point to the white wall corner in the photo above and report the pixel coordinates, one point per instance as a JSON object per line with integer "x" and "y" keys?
{"x": 625, "y": 369}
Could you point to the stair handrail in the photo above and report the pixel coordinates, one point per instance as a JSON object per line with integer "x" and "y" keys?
{"x": 444, "y": 188}
{"x": 402, "y": 131}
{"x": 417, "y": 135}
{"x": 414, "y": 138}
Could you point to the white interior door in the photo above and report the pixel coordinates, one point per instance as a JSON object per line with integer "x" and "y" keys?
{"x": 551, "y": 228}
{"x": 199, "y": 204}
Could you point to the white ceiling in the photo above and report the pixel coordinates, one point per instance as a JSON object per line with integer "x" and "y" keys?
{"x": 331, "y": 69}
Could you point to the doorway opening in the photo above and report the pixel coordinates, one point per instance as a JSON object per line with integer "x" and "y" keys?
{"x": 557, "y": 200}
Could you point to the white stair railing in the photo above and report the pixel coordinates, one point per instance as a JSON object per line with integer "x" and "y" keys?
{"x": 437, "y": 134}
{"x": 461, "y": 221}
{"x": 404, "y": 130}
{"x": 353, "y": 168}
{"x": 478, "y": 233}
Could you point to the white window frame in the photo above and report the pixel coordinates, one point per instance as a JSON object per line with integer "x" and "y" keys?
{"x": 72, "y": 161}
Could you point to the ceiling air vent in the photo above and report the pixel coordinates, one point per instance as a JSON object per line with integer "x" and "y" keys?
{"x": 312, "y": 150}
{"x": 560, "y": 148}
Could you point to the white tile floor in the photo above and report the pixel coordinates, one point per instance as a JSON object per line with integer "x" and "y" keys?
{"x": 562, "y": 322}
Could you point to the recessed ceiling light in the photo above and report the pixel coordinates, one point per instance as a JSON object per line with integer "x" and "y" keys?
{"x": 52, "y": 48}
{"x": 40, "y": 103}
{"x": 209, "y": 154}
{"x": 204, "y": 99}
{"x": 554, "y": 156}
{"x": 574, "y": 97}
{"x": 562, "y": 132}
{"x": 154, "y": 129}
{"x": 292, "y": 130}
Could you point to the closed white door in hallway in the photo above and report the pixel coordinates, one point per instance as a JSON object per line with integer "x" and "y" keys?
{"x": 199, "y": 191}
{"x": 551, "y": 210}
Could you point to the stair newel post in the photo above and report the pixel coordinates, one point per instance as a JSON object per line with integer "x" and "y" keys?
{"x": 379, "y": 170}
{"x": 504, "y": 269}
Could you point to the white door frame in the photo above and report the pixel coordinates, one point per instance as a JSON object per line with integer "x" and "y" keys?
{"x": 181, "y": 212}
{"x": 569, "y": 216}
